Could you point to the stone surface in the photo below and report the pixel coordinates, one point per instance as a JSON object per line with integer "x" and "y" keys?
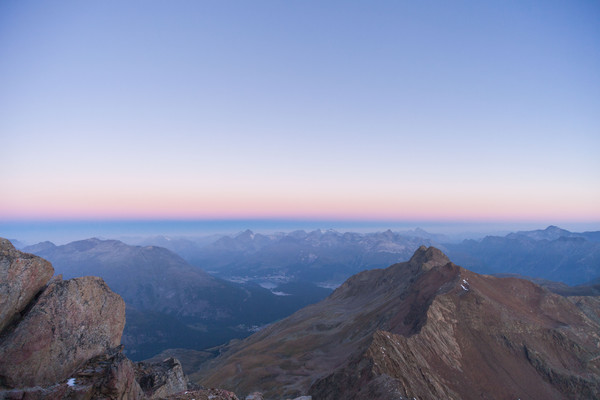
{"x": 113, "y": 376}
{"x": 161, "y": 379}
{"x": 107, "y": 376}
{"x": 71, "y": 322}
{"x": 22, "y": 277}
{"x": 110, "y": 375}
{"x": 204, "y": 394}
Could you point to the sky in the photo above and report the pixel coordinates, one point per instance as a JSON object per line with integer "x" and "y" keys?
{"x": 321, "y": 110}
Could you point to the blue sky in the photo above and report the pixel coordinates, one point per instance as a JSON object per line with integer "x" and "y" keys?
{"x": 273, "y": 109}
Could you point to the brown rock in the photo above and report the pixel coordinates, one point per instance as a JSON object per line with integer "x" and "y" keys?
{"x": 204, "y": 394}
{"x": 22, "y": 276}
{"x": 161, "y": 379}
{"x": 71, "y": 322}
{"x": 113, "y": 376}
{"x": 108, "y": 376}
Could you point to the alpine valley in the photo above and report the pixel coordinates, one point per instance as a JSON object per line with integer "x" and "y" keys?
{"x": 169, "y": 302}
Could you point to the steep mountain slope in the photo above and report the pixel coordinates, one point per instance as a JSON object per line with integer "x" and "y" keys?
{"x": 170, "y": 303}
{"x": 553, "y": 254}
{"x": 426, "y": 328}
{"x": 147, "y": 277}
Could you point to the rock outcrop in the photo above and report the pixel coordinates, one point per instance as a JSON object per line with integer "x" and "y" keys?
{"x": 22, "y": 277}
{"x": 204, "y": 394}
{"x": 424, "y": 329}
{"x": 71, "y": 322}
{"x": 160, "y": 379}
{"x": 61, "y": 338}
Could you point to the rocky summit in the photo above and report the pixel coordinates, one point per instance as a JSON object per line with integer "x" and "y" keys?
{"x": 60, "y": 339}
{"x": 424, "y": 329}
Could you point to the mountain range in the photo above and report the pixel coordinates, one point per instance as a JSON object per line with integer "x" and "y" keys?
{"x": 327, "y": 258}
{"x": 321, "y": 257}
{"x": 553, "y": 254}
{"x": 256, "y": 279}
{"x": 423, "y": 328}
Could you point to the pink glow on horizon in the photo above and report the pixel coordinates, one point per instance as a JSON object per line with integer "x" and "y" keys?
{"x": 295, "y": 207}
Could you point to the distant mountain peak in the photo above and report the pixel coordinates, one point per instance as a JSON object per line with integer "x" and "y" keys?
{"x": 246, "y": 235}
{"x": 42, "y": 246}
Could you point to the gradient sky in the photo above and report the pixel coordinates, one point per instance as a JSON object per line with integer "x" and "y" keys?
{"x": 458, "y": 110}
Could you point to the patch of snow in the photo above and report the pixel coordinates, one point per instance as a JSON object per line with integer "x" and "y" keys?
{"x": 268, "y": 285}
{"x": 71, "y": 382}
{"x": 465, "y": 282}
{"x": 326, "y": 285}
{"x": 238, "y": 279}
{"x": 462, "y": 286}
{"x": 253, "y": 328}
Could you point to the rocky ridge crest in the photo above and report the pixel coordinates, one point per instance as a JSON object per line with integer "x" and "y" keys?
{"x": 426, "y": 328}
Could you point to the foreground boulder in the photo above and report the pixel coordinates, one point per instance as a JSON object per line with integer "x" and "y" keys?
{"x": 71, "y": 322}
{"x": 160, "y": 379}
{"x": 113, "y": 376}
{"x": 22, "y": 277}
